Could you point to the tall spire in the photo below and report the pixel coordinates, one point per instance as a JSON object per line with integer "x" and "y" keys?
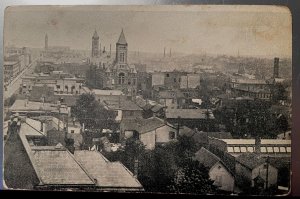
{"x": 122, "y": 39}
{"x": 95, "y": 36}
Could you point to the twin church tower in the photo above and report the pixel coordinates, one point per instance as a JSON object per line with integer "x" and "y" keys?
{"x": 121, "y": 48}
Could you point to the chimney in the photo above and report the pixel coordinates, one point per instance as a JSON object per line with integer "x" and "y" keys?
{"x": 164, "y": 51}
{"x": 42, "y": 127}
{"x": 257, "y": 144}
{"x": 276, "y": 67}
{"x": 136, "y": 168}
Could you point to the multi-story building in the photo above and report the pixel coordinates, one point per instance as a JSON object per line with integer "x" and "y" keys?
{"x": 11, "y": 70}
{"x": 116, "y": 74}
{"x": 62, "y": 83}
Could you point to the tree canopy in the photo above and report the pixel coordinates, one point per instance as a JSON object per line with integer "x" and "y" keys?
{"x": 90, "y": 112}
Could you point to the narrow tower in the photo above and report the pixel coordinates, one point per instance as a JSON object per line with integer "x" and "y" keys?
{"x": 46, "y": 42}
{"x": 121, "y": 49}
{"x": 95, "y": 45}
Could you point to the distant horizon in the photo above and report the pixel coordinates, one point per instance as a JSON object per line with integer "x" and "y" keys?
{"x": 167, "y": 54}
{"x": 262, "y": 31}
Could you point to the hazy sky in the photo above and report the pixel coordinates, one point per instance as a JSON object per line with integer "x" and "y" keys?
{"x": 249, "y": 30}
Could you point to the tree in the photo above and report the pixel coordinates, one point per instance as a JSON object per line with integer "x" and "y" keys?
{"x": 92, "y": 113}
{"x": 192, "y": 178}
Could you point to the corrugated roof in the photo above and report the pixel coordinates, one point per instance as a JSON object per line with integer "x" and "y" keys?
{"x": 107, "y": 174}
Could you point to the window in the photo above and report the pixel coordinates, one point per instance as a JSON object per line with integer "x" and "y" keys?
{"x": 174, "y": 79}
{"x": 282, "y": 149}
{"x": 58, "y": 86}
{"x": 167, "y": 75}
{"x": 131, "y": 113}
{"x": 250, "y": 149}
{"x": 270, "y": 149}
{"x": 263, "y": 149}
{"x": 237, "y": 149}
{"x": 121, "y": 78}
{"x": 72, "y": 131}
{"x": 230, "y": 149}
{"x": 288, "y": 149}
{"x": 171, "y": 135}
{"x": 134, "y": 81}
{"x": 243, "y": 149}
{"x": 276, "y": 149}
{"x": 122, "y": 57}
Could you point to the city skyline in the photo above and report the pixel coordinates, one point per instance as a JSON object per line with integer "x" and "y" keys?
{"x": 260, "y": 31}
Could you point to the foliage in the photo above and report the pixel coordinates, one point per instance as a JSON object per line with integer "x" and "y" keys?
{"x": 247, "y": 117}
{"x": 192, "y": 178}
{"x": 10, "y": 101}
{"x": 92, "y": 113}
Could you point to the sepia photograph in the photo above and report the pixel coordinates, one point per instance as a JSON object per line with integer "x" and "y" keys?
{"x": 170, "y": 99}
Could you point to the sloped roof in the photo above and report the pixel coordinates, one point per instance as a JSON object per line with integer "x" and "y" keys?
{"x": 122, "y": 39}
{"x": 188, "y": 113}
{"x": 143, "y": 125}
{"x": 157, "y": 107}
{"x": 108, "y": 174}
{"x": 59, "y": 167}
{"x": 95, "y": 36}
{"x": 250, "y": 160}
{"x": 123, "y": 105}
{"x": 207, "y": 158}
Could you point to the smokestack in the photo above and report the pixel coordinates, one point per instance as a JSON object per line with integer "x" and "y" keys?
{"x": 276, "y": 67}
{"x": 110, "y": 50}
{"x": 164, "y": 51}
{"x": 170, "y": 52}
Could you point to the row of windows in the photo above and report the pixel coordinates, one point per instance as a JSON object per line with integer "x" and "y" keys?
{"x": 263, "y": 149}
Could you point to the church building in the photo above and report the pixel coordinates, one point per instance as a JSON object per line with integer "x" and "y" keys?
{"x": 107, "y": 72}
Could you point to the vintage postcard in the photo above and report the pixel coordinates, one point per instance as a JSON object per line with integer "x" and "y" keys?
{"x": 161, "y": 99}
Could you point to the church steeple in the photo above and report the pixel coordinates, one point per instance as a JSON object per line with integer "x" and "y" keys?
{"x": 122, "y": 39}
{"x": 121, "y": 49}
{"x": 95, "y": 45}
{"x": 95, "y": 36}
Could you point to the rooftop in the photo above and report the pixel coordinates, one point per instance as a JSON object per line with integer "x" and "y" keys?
{"x": 252, "y": 141}
{"x": 143, "y": 125}
{"x": 107, "y": 174}
{"x": 250, "y": 160}
{"x": 207, "y": 158}
{"x": 188, "y": 113}
{"x": 126, "y": 105}
{"x": 30, "y": 106}
{"x": 107, "y": 92}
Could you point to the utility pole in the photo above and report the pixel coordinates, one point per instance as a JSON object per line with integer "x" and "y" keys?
{"x": 267, "y": 174}
{"x": 178, "y": 125}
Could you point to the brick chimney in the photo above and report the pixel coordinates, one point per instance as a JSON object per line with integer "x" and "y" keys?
{"x": 276, "y": 67}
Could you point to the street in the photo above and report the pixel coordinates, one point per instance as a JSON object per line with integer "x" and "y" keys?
{"x": 15, "y": 84}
